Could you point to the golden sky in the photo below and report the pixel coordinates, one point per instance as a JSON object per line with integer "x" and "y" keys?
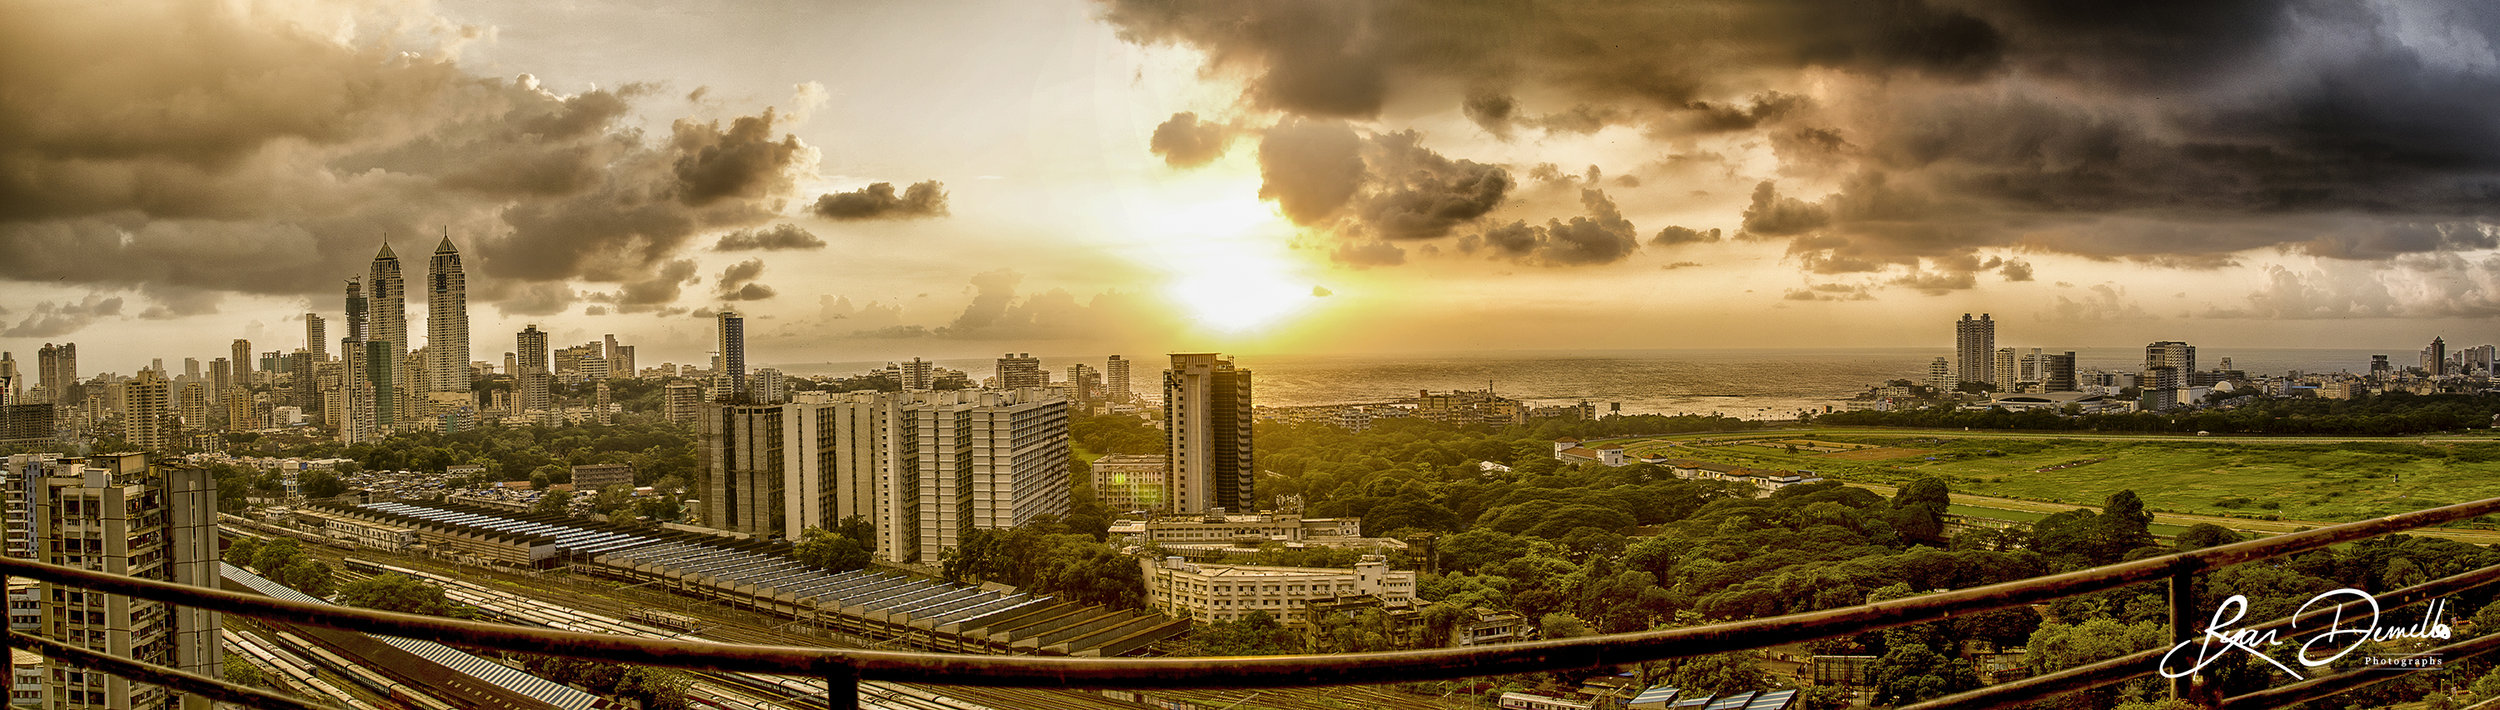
{"x": 879, "y": 180}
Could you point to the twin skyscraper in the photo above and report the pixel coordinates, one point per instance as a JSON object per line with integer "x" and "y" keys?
{"x": 383, "y": 384}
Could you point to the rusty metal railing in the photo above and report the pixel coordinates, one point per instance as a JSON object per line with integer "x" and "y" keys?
{"x": 844, "y": 669}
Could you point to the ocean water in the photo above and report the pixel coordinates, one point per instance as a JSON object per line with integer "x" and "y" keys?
{"x": 1741, "y": 383}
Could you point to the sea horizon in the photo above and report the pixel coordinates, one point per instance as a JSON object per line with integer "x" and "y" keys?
{"x": 1742, "y": 382}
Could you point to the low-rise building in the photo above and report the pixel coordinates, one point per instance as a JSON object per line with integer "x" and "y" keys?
{"x": 1764, "y": 481}
{"x": 1210, "y": 593}
{"x": 355, "y": 532}
{"x": 2081, "y": 402}
{"x": 597, "y": 477}
{"x": 1251, "y": 530}
{"x": 1485, "y": 626}
{"x": 1129, "y": 482}
{"x": 1572, "y": 451}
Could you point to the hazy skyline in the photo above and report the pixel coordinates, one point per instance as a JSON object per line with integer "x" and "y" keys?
{"x": 1066, "y": 177}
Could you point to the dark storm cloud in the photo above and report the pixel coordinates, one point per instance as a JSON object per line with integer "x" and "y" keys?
{"x": 2167, "y": 133}
{"x": 878, "y": 201}
{"x": 1324, "y": 175}
{"x": 1310, "y": 168}
{"x": 1421, "y": 194}
{"x": 192, "y": 147}
{"x": 1343, "y": 59}
{"x": 737, "y": 283}
{"x": 653, "y": 294}
{"x": 1771, "y": 215}
{"x": 51, "y": 319}
{"x": 1310, "y": 57}
{"x": 1186, "y": 142}
{"x": 1673, "y": 235}
{"x": 1601, "y": 237}
{"x": 776, "y": 237}
{"x": 1492, "y": 111}
{"x": 743, "y": 161}
{"x": 538, "y": 299}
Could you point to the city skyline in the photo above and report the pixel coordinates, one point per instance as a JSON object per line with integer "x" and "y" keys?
{"x": 1086, "y": 177}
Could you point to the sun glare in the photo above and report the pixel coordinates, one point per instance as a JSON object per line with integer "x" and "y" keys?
{"x": 1226, "y": 259}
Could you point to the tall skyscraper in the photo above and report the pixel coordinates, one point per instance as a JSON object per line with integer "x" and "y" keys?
{"x": 119, "y": 515}
{"x": 359, "y": 316}
{"x": 530, "y": 373}
{"x": 190, "y": 367}
{"x": 599, "y": 402}
{"x": 2059, "y": 374}
{"x": 1206, "y": 417}
{"x": 729, "y": 378}
{"x": 681, "y": 402}
{"x": 242, "y": 363}
{"x": 2007, "y": 374}
{"x": 147, "y": 405}
{"x": 2435, "y": 358}
{"x": 387, "y": 339}
{"x": 1975, "y": 346}
{"x": 447, "y": 320}
{"x": 768, "y": 385}
{"x": 316, "y": 337}
{"x": 744, "y": 464}
{"x": 1085, "y": 383}
{"x": 620, "y": 359}
{"x": 11, "y": 384}
{"x": 358, "y": 421}
{"x": 304, "y": 383}
{"x": 220, "y": 376}
{"x": 193, "y": 405}
{"x": 2173, "y": 354}
{"x": 1116, "y": 380}
{"x": 917, "y": 375}
{"x": 1020, "y": 370}
{"x": 56, "y": 371}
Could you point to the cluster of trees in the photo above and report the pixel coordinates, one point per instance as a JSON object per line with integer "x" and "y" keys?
{"x": 842, "y": 549}
{"x": 1044, "y": 556}
{"x": 1116, "y": 434}
{"x": 392, "y": 591}
{"x": 1605, "y": 550}
{"x": 660, "y": 452}
{"x": 282, "y": 560}
{"x": 2376, "y": 415}
{"x": 237, "y": 485}
{"x": 654, "y": 688}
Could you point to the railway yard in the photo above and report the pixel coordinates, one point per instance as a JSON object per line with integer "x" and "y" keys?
{"x": 563, "y": 599}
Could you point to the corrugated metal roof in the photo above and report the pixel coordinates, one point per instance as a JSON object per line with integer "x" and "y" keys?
{"x": 1774, "y": 700}
{"x": 500, "y": 675}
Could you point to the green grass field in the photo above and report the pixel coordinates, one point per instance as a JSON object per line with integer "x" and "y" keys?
{"x": 2304, "y": 481}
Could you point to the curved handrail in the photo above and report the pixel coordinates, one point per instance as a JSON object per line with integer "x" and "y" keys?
{"x": 1259, "y": 671}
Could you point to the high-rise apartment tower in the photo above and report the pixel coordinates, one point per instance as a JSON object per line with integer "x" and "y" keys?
{"x": 1974, "y": 347}
{"x": 1206, "y": 419}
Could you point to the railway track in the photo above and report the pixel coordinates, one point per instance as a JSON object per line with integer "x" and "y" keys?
{"x": 609, "y": 600}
